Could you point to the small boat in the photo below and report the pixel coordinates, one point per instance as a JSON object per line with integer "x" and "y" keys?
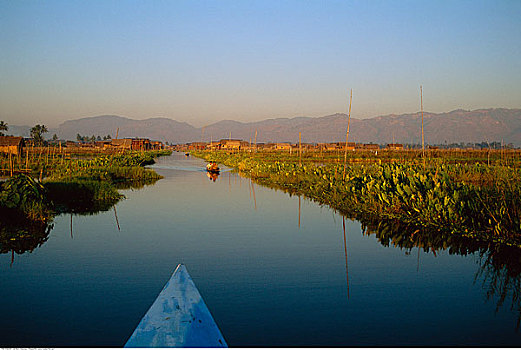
{"x": 177, "y": 318}
{"x": 212, "y": 168}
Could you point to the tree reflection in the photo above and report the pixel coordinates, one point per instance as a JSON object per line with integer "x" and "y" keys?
{"x": 20, "y": 234}
{"x": 499, "y": 271}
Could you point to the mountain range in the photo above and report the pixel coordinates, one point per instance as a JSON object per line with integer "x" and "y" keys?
{"x": 498, "y": 124}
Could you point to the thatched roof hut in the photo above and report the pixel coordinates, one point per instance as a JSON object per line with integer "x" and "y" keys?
{"x": 11, "y": 144}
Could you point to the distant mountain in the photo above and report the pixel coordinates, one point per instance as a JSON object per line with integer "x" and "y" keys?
{"x": 451, "y": 127}
{"x": 155, "y": 128}
{"x": 18, "y": 130}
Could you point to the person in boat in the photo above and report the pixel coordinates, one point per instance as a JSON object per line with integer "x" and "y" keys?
{"x": 212, "y": 166}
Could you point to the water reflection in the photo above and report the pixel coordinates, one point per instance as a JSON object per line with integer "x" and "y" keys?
{"x": 18, "y": 234}
{"x": 212, "y": 176}
{"x": 499, "y": 266}
{"x": 345, "y": 251}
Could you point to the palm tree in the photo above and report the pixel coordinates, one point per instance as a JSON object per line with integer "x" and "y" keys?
{"x": 37, "y": 133}
{"x": 3, "y": 127}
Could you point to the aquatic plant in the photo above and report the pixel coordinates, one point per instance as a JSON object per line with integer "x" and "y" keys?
{"x": 473, "y": 200}
{"x": 23, "y": 194}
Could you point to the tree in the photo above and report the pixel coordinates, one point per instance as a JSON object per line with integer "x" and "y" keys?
{"x": 3, "y": 127}
{"x": 79, "y": 137}
{"x": 98, "y": 138}
{"x": 37, "y": 134}
{"x": 55, "y": 137}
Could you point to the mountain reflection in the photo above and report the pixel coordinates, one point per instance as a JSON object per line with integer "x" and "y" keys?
{"x": 499, "y": 266}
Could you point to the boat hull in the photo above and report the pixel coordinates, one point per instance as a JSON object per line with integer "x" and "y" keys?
{"x": 177, "y": 318}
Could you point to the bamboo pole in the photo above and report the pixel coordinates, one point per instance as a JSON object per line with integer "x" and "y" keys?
{"x": 299, "y": 149}
{"x": 423, "y": 140}
{"x": 347, "y": 133}
{"x": 345, "y": 252}
{"x": 253, "y": 191}
{"x": 116, "y": 216}
{"x": 255, "y": 140}
{"x": 10, "y": 164}
{"x": 298, "y": 211}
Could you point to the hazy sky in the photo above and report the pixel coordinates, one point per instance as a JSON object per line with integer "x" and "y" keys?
{"x": 204, "y": 61}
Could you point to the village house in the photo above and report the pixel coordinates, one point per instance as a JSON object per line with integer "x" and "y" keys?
{"x": 213, "y": 146}
{"x": 121, "y": 143}
{"x": 395, "y": 146}
{"x": 283, "y": 146}
{"x": 157, "y": 145}
{"x": 102, "y": 144}
{"x": 332, "y": 146}
{"x": 337, "y": 146}
{"x": 197, "y": 145}
{"x": 11, "y": 144}
{"x": 230, "y": 144}
{"x": 368, "y": 146}
{"x": 304, "y": 146}
{"x": 266, "y": 146}
{"x": 140, "y": 144}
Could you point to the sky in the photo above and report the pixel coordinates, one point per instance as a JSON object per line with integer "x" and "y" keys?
{"x": 204, "y": 61}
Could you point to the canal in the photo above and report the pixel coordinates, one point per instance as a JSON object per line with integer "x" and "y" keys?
{"x": 274, "y": 270}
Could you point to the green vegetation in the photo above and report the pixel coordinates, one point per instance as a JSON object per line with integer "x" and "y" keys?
{"x": 37, "y": 134}
{"x": 3, "y": 127}
{"x": 468, "y": 199}
{"x": 92, "y": 138}
{"x": 69, "y": 184}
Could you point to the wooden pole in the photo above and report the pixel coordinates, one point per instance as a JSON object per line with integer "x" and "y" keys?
{"x": 423, "y": 140}
{"x": 345, "y": 252}
{"x": 10, "y": 164}
{"x": 253, "y": 191}
{"x": 347, "y": 133}
{"x": 116, "y": 216}
{"x": 299, "y": 149}
{"x": 298, "y": 211}
{"x": 255, "y": 140}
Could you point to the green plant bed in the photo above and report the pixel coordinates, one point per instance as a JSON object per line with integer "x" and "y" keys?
{"x": 475, "y": 201}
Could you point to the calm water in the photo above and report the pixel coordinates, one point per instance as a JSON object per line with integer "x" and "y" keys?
{"x": 267, "y": 281}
